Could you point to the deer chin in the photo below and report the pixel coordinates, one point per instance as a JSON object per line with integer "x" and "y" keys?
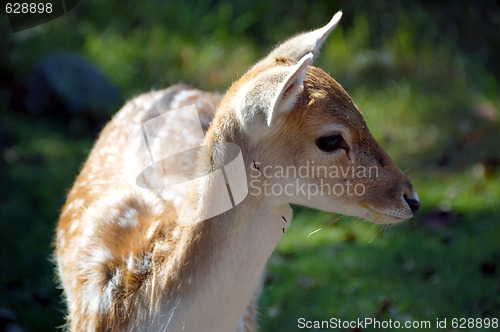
{"x": 361, "y": 210}
{"x": 383, "y": 217}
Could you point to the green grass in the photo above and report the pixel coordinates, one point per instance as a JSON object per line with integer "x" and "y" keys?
{"x": 434, "y": 266}
{"x": 425, "y": 82}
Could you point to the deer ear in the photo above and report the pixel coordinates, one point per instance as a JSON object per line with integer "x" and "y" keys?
{"x": 287, "y": 91}
{"x": 270, "y": 92}
{"x": 307, "y": 42}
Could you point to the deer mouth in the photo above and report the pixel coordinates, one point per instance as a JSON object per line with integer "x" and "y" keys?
{"x": 383, "y": 217}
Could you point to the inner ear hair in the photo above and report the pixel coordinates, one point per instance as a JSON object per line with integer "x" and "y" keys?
{"x": 286, "y": 93}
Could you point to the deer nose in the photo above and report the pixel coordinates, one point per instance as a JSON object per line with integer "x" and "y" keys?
{"x": 412, "y": 202}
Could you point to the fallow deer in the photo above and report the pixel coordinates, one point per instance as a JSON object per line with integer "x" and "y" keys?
{"x": 144, "y": 258}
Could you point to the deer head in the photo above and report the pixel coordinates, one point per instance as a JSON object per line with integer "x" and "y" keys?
{"x": 310, "y": 144}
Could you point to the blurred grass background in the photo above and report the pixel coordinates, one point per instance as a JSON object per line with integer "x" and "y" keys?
{"x": 425, "y": 74}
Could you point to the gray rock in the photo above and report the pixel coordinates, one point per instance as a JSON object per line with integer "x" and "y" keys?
{"x": 73, "y": 83}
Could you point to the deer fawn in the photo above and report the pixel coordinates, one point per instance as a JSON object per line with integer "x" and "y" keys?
{"x": 137, "y": 257}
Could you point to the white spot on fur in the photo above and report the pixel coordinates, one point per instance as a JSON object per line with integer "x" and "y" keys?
{"x": 183, "y": 95}
{"x": 175, "y": 234}
{"x": 129, "y": 218}
{"x": 74, "y": 226}
{"x": 152, "y": 229}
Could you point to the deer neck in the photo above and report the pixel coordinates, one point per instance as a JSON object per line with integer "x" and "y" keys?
{"x": 223, "y": 257}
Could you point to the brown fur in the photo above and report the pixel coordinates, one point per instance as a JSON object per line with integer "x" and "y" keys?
{"x": 76, "y": 248}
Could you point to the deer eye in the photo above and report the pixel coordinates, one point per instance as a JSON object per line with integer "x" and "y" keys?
{"x": 330, "y": 143}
